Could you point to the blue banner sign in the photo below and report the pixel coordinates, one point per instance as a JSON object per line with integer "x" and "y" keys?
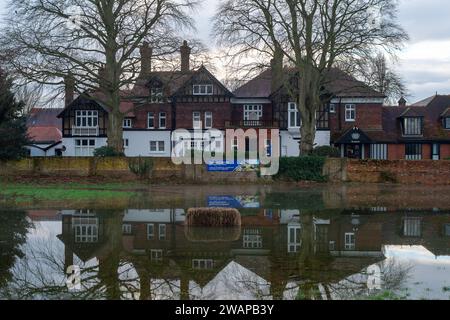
{"x": 231, "y": 166}
{"x": 233, "y": 202}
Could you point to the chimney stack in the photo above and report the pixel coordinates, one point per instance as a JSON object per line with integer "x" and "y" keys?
{"x": 185, "y": 57}
{"x": 402, "y": 102}
{"x": 69, "y": 89}
{"x": 276, "y": 65}
{"x": 146, "y": 59}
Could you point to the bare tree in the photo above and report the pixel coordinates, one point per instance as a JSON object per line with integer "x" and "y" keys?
{"x": 94, "y": 41}
{"x": 312, "y": 36}
{"x": 381, "y": 76}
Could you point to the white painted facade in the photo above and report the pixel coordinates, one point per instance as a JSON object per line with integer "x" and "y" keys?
{"x": 71, "y": 150}
{"x": 43, "y": 150}
{"x": 138, "y": 144}
{"x": 290, "y": 141}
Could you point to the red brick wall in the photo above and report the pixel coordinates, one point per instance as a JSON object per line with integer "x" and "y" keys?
{"x": 445, "y": 151}
{"x": 221, "y": 113}
{"x": 140, "y": 121}
{"x": 401, "y": 171}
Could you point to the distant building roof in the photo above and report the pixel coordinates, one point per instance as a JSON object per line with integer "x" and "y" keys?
{"x": 338, "y": 83}
{"x": 44, "y": 117}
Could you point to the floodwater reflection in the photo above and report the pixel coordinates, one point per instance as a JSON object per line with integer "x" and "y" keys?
{"x": 305, "y": 244}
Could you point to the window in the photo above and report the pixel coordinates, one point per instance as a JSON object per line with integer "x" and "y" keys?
{"x": 126, "y": 229}
{"x": 332, "y": 108}
{"x": 294, "y": 238}
{"x": 202, "y": 89}
{"x": 235, "y": 145}
{"x": 196, "y": 120}
{"x": 86, "y": 119}
{"x": 378, "y": 151}
{"x": 412, "y": 126}
{"x": 412, "y": 227}
{"x": 156, "y": 255}
{"x": 350, "y": 112}
{"x": 268, "y": 147}
{"x": 84, "y": 147}
{"x": 322, "y": 118}
{"x": 162, "y": 120}
{"x": 447, "y": 123}
{"x": 293, "y": 116}
{"x": 150, "y": 231}
{"x": 350, "y": 241}
{"x": 447, "y": 230}
{"x": 127, "y": 123}
{"x": 436, "y": 151}
{"x": 253, "y": 112}
{"x": 151, "y": 120}
{"x": 208, "y": 120}
{"x": 252, "y": 239}
{"x": 157, "y": 146}
{"x": 413, "y": 151}
{"x": 85, "y": 230}
{"x": 126, "y": 143}
{"x": 162, "y": 232}
{"x": 156, "y": 95}
{"x": 202, "y": 264}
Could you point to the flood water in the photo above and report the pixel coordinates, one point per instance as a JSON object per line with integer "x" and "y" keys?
{"x": 327, "y": 242}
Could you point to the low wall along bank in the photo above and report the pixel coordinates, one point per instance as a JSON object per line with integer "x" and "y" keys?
{"x": 426, "y": 172}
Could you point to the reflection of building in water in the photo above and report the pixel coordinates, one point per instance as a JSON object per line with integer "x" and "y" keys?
{"x": 278, "y": 247}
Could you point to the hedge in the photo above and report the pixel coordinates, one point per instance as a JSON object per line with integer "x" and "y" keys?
{"x": 308, "y": 168}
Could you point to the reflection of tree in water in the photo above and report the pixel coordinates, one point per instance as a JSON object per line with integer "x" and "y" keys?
{"x": 13, "y": 233}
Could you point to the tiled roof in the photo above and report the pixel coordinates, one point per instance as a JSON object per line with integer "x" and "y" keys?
{"x": 44, "y": 135}
{"x": 44, "y": 117}
{"x": 337, "y": 83}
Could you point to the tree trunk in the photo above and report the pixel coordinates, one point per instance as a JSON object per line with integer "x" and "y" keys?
{"x": 308, "y": 104}
{"x": 115, "y": 131}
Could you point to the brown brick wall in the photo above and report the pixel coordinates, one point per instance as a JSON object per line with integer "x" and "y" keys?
{"x": 140, "y": 121}
{"x": 221, "y": 113}
{"x": 368, "y": 116}
{"x": 426, "y": 172}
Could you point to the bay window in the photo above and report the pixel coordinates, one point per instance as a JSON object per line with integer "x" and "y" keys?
{"x": 86, "y": 119}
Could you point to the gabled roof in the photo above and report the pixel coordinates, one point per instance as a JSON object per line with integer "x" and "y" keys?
{"x": 413, "y": 112}
{"x": 337, "y": 83}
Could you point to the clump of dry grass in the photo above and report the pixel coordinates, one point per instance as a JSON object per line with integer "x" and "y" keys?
{"x": 213, "y": 217}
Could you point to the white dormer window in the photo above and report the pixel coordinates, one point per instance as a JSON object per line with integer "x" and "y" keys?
{"x": 127, "y": 123}
{"x": 294, "y": 119}
{"x": 202, "y": 89}
{"x": 156, "y": 95}
{"x": 350, "y": 113}
{"x": 412, "y": 126}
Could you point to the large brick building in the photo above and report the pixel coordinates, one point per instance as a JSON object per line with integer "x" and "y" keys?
{"x": 354, "y": 119}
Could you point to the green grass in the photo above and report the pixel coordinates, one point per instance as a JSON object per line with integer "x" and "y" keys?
{"x": 59, "y": 192}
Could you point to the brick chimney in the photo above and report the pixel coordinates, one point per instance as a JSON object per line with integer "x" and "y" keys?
{"x": 185, "y": 57}
{"x": 402, "y": 102}
{"x": 146, "y": 59}
{"x": 276, "y": 65}
{"x": 69, "y": 89}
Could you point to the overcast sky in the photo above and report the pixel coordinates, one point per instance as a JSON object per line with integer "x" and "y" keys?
{"x": 424, "y": 63}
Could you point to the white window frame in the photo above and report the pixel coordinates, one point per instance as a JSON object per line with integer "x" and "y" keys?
{"x": 350, "y": 112}
{"x": 202, "y": 90}
{"x": 150, "y": 231}
{"x": 379, "y": 151}
{"x": 202, "y": 264}
{"x": 447, "y": 123}
{"x": 85, "y": 230}
{"x": 158, "y": 144}
{"x": 127, "y": 123}
{"x": 413, "y": 126}
{"x": 294, "y": 238}
{"x": 162, "y": 116}
{"x": 250, "y": 109}
{"x": 208, "y": 119}
{"x": 83, "y": 117}
{"x": 127, "y": 229}
{"x": 85, "y": 150}
{"x": 151, "y": 115}
{"x": 156, "y": 255}
{"x": 197, "y": 120}
{"x": 332, "y": 108}
{"x": 293, "y": 112}
{"x": 412, "y": 227}
{"x": 350, "y": 241}
{"x": 162, "y": 232}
